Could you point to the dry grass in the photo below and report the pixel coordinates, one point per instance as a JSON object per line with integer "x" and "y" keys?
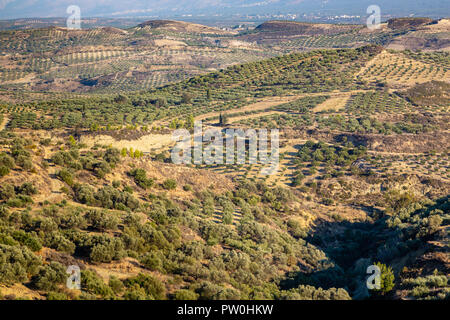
{"x": 399, "y": 70}
{"x": 337, "y": 102}
{"x": 147, "y": 144}
{"x": 4, "y": 122}
{"x": 18, "y": 290}
{"x": 169, "y": 43}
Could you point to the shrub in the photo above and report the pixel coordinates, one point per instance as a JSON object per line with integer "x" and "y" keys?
{"x": 295, "y": 229}
{"x": 136, "y": 293}
{"x": 170, "y": 184}
{"x": 50, "y": 276}
{"x": 27, "y": 165}
{"x": 27, "y": 188}
{"x": 140, "y": 177}
{"x": 116, "y": 284}
{"x": 152, "y": 286}
{"x": 65, "y": 176}
{"x": 152, "y": 261}
{"x": 27, "y": 240}
{"x": 108, "y": 250}
{"x": 58, "y": 242}
{"x": 8, "y": 240}
{"x": 112, "y": 156}
{"x": 128, "y": 189}
{"x": 209, "y": 206}
{"x": 58, "y": 296}
{"x": 184, "y": 294}
{"x": 101, "y": 220}
{"x": 6, "y": 191}
{"x": 387, "y": 278}
{"x": 7, "y": 161}
{"x": 16, "y": 264}
{"x": 20, "y": 201}
{"x": 227, "y": 218}
{"x": 107, "y": 197}
{"x": 116, "y": 184}
{"x": 111, "y": 198}
{"x": 93, "y": 284}
{"x": 45, "y": 142}
{"x": 3, "y": 171}
{"x": 228, "y": 211}
{"x": 84, "y": 194}
{"x": 210, "y": 291}
{"x": 306, "y": 292}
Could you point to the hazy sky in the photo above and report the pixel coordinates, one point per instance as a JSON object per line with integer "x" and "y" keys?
{"x": 10, "y": 9}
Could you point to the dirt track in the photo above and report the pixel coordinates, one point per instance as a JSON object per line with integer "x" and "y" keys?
{"x": 4, "y": 123}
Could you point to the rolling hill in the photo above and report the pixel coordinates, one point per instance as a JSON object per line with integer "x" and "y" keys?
{"x": 87, "y": 179}
{"x": 158, "y": 52}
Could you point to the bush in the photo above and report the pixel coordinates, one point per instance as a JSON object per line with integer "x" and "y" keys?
{"x": 50, "y": 276}
{"x": 27, "y": 188}
{"x": 8, "y": 240}
{"x": 116, "y": 285}
{"x": 209, "y": 206}
{"x": 111, "y": 198}
{"x": 27, "y": 240}
{"x": 93, "y": 284}
{"x": 140, "y": 177}
{"x": 152, "y": 261}
{"x": 57, "y": 296}
{"x": 306, "y": 292}
{"x": 84, "y": 194}
{"x": 101, "y": 220}
{"x": 116, "y": 184}
{"x": 152, "y": 286}
{"x": 16, "y": 264}
{"x": 108, "y": 250}
{"x": 58, "y": 242}
{"x": 65, "y": 176}
{"x": 136, "y": 293}
{"x": 295, "y": 229}
{"x": 20, "y": 201}
{"x": 387, "y": 278}
{"x": 210, "y": 291}
{"x": 170, "y": 184}
{"x": 184, "y": 294}
{"x": 112, "y": 156}
{"x": 7, "y": 161}
{"x": 27, "y": 165}
{"x": 6, "y": 191}
{"x": 228, "y": 211}
{"x": 107, "y": 197}
{"x": 3, "y": 171}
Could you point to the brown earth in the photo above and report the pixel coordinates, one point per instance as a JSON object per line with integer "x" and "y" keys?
{"x": 180, "y": 26}
{"x": 402, "y": 23}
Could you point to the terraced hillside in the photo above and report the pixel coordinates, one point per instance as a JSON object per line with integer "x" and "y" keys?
{"x": 159, "y": 52}
{"x": 87, "y": 179}
{"x": 110, "y": 59}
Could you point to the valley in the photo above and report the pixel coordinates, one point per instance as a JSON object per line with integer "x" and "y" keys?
{"x": 87, "y": 179}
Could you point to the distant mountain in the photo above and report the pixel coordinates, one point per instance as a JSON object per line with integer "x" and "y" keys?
{"x": 12, "y": 9}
